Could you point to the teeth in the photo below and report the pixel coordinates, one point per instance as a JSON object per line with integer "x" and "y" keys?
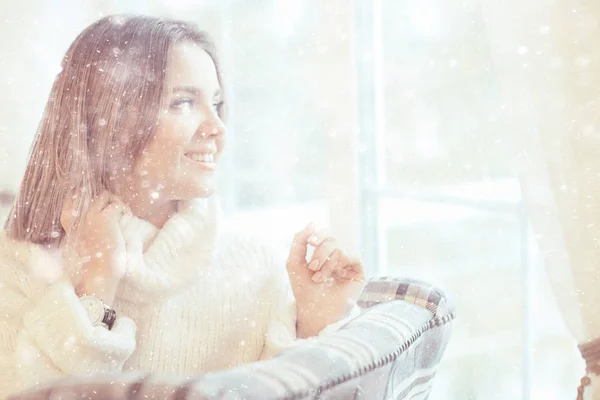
{"x": 207, "y": 158}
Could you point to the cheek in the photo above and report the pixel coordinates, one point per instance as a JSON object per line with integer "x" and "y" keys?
{"x": 220, "y": 144}
{"x": 175, "y": 132}
{"x": 159, "y": 162}
{"x": 169, "y": 140}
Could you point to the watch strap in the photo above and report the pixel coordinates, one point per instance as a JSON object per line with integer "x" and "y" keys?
{"x": 110, "y": 316}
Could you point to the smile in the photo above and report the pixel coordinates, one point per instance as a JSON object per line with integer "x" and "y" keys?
{"x": 201, "y": 157}
{"x": 205, "y": 161}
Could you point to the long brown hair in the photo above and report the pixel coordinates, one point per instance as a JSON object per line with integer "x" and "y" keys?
{"x": 102, "y": 110}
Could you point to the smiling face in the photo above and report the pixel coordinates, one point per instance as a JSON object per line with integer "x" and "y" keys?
{"x": 126, "y": 113}
{"x": 180, "y": 160}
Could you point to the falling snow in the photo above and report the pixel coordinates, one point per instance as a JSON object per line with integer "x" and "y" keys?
{"x": 446, "y": 145}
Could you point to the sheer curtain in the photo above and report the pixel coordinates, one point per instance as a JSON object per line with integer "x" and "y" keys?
{"x": 551, "y": 66}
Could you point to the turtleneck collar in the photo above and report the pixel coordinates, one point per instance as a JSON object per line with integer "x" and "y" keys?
{"x": 164, "y": 261}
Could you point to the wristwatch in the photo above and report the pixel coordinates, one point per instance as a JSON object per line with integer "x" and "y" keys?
{"x": 98, "y": 312}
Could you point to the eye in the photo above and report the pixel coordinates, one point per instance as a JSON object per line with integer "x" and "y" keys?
{"x": 218, "y": 106}
{"x": 182, "y": 104}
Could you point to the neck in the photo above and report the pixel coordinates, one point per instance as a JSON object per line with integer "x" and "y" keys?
{"x": 156, "y": 213}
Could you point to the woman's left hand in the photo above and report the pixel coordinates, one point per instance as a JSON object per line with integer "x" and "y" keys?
{"x": 325, "y": 287}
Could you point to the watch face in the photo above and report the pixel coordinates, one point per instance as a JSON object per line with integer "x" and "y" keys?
{"x": 94, "y": 308}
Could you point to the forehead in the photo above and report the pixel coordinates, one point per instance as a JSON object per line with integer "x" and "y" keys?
{"x": 190, "y": 65}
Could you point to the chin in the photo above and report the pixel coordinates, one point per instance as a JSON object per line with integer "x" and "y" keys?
{"x": 200, "y": 191}
{"x": 190, "y": 189}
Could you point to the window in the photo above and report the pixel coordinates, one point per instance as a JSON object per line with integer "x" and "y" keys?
{"x": 442, "y": 201}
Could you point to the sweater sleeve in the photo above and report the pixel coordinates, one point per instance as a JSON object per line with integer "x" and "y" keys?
{"x": 281, "y": 330}
{"x": 56, "y": 339}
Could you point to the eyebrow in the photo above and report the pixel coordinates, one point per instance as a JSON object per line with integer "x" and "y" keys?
{"x": 196, "y": 91}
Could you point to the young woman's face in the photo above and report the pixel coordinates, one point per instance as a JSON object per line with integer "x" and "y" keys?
{"x": 180, "y": 160}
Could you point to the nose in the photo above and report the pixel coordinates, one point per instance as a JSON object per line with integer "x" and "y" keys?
{"x": 212, "y": 126}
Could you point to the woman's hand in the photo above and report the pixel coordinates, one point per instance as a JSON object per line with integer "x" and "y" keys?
{"x": 99, "y": 245}
{"x": 326, "y": 286}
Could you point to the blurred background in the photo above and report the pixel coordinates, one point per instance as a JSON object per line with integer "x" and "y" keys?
{"x": 397, "y": 124}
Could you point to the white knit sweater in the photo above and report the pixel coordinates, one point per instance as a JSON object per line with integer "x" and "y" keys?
{"x": 194, "y": 299}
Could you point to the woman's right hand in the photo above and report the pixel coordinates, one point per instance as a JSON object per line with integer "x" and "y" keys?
{"x": 99, "y": 244}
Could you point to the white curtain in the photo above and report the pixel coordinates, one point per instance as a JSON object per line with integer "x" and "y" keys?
{"x": 549, "y": 55}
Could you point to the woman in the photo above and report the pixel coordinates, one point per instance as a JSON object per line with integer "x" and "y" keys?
{"x": 114, "y": 257}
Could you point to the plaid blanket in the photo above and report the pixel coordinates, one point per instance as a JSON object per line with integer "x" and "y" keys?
{"x": 390, "y": 351}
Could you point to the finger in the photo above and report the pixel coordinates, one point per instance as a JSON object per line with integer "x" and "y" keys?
{"x": 348, "y": 268}
{"x": 355, "y": 264}
{"x": 109, "y": 202}
{"x": 317, "y": 238}
{"x": 124, "y": 207}
{"x": 102, "y": 198}
{"x": 114, "y": 209}
{"x": 114, "y": 201}
{"x": 297, "y": 255}
{"x": 347, "y": 274}
{"x": 334, "y": 262}
{"x": 351, "y": 268}
{"x": 113, "y": 198}
{"x": 325, "y": 272}
{"x": 100, "y": 202}
{"x": 322, "y": 253}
